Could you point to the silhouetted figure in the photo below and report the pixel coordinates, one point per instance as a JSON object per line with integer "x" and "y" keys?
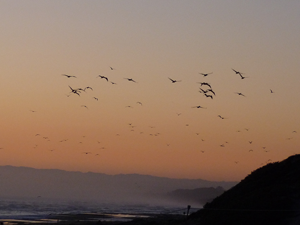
{"x": 188, "y": 210}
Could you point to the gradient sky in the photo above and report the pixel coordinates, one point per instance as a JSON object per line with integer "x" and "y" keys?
{"x": 43, "y": 125}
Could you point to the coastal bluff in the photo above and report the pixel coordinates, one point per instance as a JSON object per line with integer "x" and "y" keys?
{"x": 270, "y": 195}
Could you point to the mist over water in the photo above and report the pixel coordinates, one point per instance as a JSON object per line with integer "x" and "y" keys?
{"x": 35, "y": 209}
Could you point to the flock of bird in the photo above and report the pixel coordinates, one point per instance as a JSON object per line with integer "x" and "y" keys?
{"x": 205, "y": 88}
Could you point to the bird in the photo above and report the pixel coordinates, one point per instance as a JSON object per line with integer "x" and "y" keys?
{"x": 111, "y": 68}
{"x": 204, "y": 83}
{"x": 84, "y": 106}
{"x": 205, "y": 74}
{"x": 130, "y": 79}
{"x": 87, "y": 88}
{"x": 86, "y": 153}
{"x": 209, "y": 96}
{"x": 103, "y": 77}
{"x": 239, "y": 93}
{"x": 139, "y": 103}
{"x": 210, "y": 90}
{"x": 68, "y": 76}
{"x": 198, "y": 107}
{"x": 250, "y": 142}
{"x": 242, "y": 77}
{"x": 75, "y": 91}
{"x": 271, "y": 91}
{"x": 95, "y": 98}
{"x": 239, "y": 73}
{"x": 174, "y": 81}
{"x": 221, "y": 117}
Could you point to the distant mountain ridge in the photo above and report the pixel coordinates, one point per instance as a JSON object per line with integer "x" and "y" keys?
{"x": 60, "y": 184}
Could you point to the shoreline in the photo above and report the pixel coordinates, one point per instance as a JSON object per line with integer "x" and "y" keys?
{"x": 95, "y": 218}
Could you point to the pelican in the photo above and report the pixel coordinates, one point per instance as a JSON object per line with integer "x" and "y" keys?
{"x": 239, "y": 93}
{"x": 198, "y": 107}
{"x": 204, "y": 83}
{"x": 209, "y": 96}
{"x": 174, "y": 81}
{"x": 75, "y": 91}
{"x": 130, "y": 79}
{"x": 205, "y": 74}
{"x": 103, "y": 77}
{"x": 68, "y": 76}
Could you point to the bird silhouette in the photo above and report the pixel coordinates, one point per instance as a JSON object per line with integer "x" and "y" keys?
{"x": 174, "y": 81}
{"x": 239, "y": 73}
{"x": 75, "y": 91}
{"x": 209, "y": 96}
{"x": 211, "y": 90}
{"x": 130, "y": 79}
{"x": 198, "y": 107}
{"x": 68, "y": 76}
{"x": 87, "y": 88}
{"x": 103, "y": 77}
{"x": 204, "y": 83}
{"x": 205, "y": 74}
{"x": 239, "y": 93}
{"x": 221, "y": 117}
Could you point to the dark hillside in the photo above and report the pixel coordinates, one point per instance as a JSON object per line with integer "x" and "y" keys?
{"x": 269, "y": 195}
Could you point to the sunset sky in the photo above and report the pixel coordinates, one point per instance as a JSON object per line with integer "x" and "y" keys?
{"x": 44, "y": 125}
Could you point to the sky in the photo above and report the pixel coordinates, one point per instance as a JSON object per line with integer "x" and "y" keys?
{"x": 150, "y": 126}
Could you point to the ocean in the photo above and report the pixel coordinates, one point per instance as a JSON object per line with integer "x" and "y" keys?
{"x": 46, "y": 210}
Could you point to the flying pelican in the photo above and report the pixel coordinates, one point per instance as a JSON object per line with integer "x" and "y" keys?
{"x": 130, "y": 79}
{"x": 86, "y": 153}
{"x": 74, "y": 91}
{"x": 209, "y": 96}
{"x": 103, "y": 77}
{"x": 239, "y": 93}
{"x": 87, "y": 88}
{"x": 68, "y": 76}
{"x": 210, "y": 90}
{"x": 221, "y": 117}
{"x": 204, "y": 83}
{"x": 198, "y": 107}
{"x": 174, "y": 81}
{"x": 239, "y": 73}
{"x": 205, "y": 74}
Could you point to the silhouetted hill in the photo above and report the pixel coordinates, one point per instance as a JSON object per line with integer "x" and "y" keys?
{"x": 198, "y": 196}
{"x": 269, "y": 195}
{"x": 59, "y": 184}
